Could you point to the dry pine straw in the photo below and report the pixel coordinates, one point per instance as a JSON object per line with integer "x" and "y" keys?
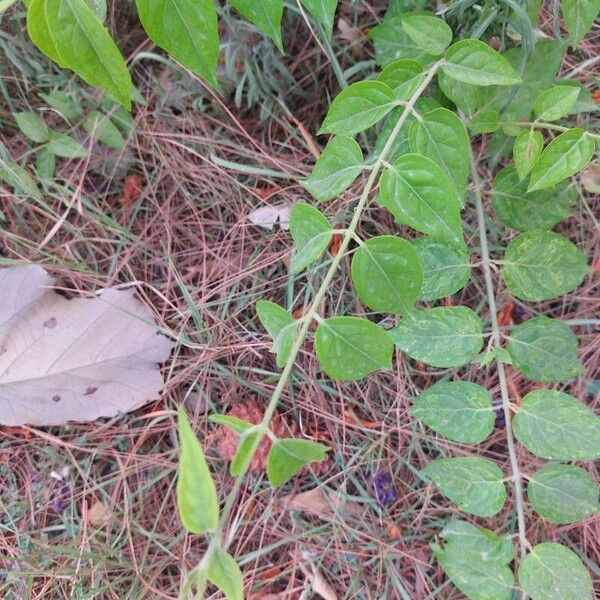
{"x": 92, "y": 506}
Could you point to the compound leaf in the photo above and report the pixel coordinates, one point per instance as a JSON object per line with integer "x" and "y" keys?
{"x": 556, "y": 426}
{"x": 441, "y": 337}
{"x": 544, "y": 349}
{"x": 349, "y": 348}
{"x": 475, "y": 484}
{"x": 539, "y": 265}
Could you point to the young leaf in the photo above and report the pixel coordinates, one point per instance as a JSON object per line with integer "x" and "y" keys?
{"x": 563, "y": 494}
{"x": 280, "y": 325}
{"x": 430, "y": 34}
{"x": 70, "y": 109}
{"x": 544, "y": 349}
{"x": 475, "y": 560}
{"x": 553, "y": 572}
{"x": 102, "y": 128}
{"x": 323, "y": 11}
{"x": 468, "y": 98}
{"x": 349, "y": 348}
{"x": 19, "y": 179}
{"x": 187, "y": 30}
{"x": 564, "y": 156}
{"x": 522, "y": 210}
{"x": 311, "y": 233}
{"x": 418, "y": 193}
{"x": 338, "y": 166}
{"x": 579, "y": 16}
{"x": 485, "y": 122}
{"x": 459, "y": 410}
{"x": 65, "y": 146}
{"x": 70, "y": 34}
{"x": 224, "y": 573}
{"x": 441, "y": 337}
{"x": 197, "y": 500}
{"x": 288, "y": 456}
{"x": 236, "y": 425}
{"x": 265, "y": 14}
{"x": 32, "y": 125}
{"x": 526, "y": 151}
{"x": 475, "y": 484}
{"x": 387, "y": 275}
{"x": 358, "y": 107}
{"x": 556, "y": 426}
{"x": 45, "y": 163}
{"x": 441, "y": 136}
{"x": 555, "y": 103}
{"x": 404, "y": 77}
{"x": 242, "y": 454}
{"x": 475, "y": 63}
{"x": 540, "y": 265}
{"x": 446, "y": 269}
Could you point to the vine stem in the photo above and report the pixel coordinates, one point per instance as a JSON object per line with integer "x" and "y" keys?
{"x": 543, "y": 125}
{"x": 312, "y": 313}
{"x": 517, "y": 475}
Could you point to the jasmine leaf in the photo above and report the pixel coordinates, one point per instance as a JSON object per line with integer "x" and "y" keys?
{"x": 311, "y": 233}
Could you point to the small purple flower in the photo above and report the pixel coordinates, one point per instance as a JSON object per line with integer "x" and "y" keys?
{"x": 520, "y": 313}
{"x": 62, "y": 499}
{"x": 384, "y": 489}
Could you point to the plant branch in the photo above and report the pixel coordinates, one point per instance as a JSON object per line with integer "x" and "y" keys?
{"x": 517, "y": 476}
{"x": 543, "y": 125}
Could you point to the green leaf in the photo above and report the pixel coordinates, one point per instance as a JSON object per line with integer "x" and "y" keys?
{"x": 544, "y": 349}
{"x": 458, "y": 410}
{"x": 418, "y": 193}
{"x": 475, "y": 560}
{"x": 349, "y": 348}
{"x": 475, "y": 484}
{"x": 563, "y": 157}
{"x": 552, "y": 572}
{"x": 430, "y": 34}
{"x": 340, "y": 163}
{"x": 475, "y": 63}
{"x": 45, "y": 163}
{"x": 70, "y": 34}
{"x": 441, "y": 136}
{"x": 243, "y": 454}
{"x": 404, "y": 77}
{"x": 441, "y": 337}
{"x": 526, "y": 151}
{"x": 579, "y": 16}
{"x": 64, "y": 104}
{"x": 555, "y": 103}
{"x": 102, "y": 128}
{"x": 32, "y": 125}
{"x": 236, "y": 425}
{"x": 311, "y": 233}
{"x": 468, "y": 98}
{"x": 197, "y": 500}
{"x": 446, "y": 269}
{"x": 65, "y": 146}
{"x": 391, "y": 43}
{"x": 485, "y": 122}
{"x": 387, "y": 275}
{"x": 556, "y": 426}
{"x": 265, "y": 14}
{"x": 358, "y": 107}
{"x": 540, "y": 265}
{"x": 563, "y": 494}
{"x": 323, "y": 11}
{"x": 224, "y": 573}
{"x": 20, "y": 179}
{"x": 280, "y": 325}
{"x": 522, "y": 210}
{"x": 187, "y": 30}
{"x": 288, "y": 456}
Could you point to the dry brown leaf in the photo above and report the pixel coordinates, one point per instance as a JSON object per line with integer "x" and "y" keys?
{"x": 321, "y": 502}
{"x": 317, "y": 581}
{"x": 99, "y": 514}
{"x": 73, "y": 360}
{"x": 268, "y": 216}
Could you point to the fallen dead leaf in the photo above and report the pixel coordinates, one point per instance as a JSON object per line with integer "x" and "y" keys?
{"x": 73, "y": 360}
{"x": 317, "y": 581}
{"x": 321, "y": 502}
{"x": 99, "y": 514}
{"x": 590, "y": 178}
{"x": 268, "y": 216}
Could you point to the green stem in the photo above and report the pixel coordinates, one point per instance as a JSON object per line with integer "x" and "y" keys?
{"x": 517, "y": 476}
{"x": 312, "y": 312}
{"x": 542, "y": 125}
